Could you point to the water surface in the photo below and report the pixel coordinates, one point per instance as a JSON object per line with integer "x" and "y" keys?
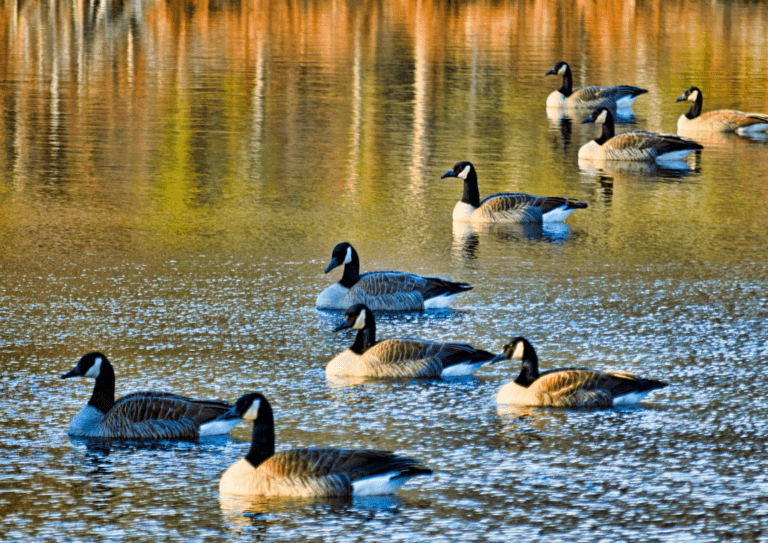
{"x": 174, "y": 176}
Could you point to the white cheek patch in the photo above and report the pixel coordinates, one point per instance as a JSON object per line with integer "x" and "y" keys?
{"x": 348, "y": 258}
{"x": 694, "y": 96}
{"x": 94, "y": 370}
{"x": 464, "y": 173}
{"x": 562, "y": 69}
{"x": 601, "y": 118}
{"x": 253, "y": 411}
{"x": 360, "y": 321}
{"x": 518, "y": 352}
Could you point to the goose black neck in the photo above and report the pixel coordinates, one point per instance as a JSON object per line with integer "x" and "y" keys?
{"x": 366, "y": 338}
{"x": 529, "y": 372}
{"x": 351, "y": 272}
{"x": 262, "y": 438}
{"x": 608, "y": 130}
{"x": 103, "y": 397}
{"x": 695, "y": 110}
{"x": 567, "y": 88}
{"x": 471, "y": 194}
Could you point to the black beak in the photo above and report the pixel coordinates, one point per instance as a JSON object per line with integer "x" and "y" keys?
{"x": 74, "y": 372}
{"x": 588, "y": 120}
{"x": 448, "y": 174}
{"x": 681, "y": 98}
{"x": 343, "y": 326}
{"x": 497, "y": 358}
{"x": 229, "y": 414}
{"x": 334, "y": 264}
{"x": 550, "y": 72}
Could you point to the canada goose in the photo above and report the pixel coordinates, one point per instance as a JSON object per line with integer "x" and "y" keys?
{"x": 589, "y": 97}
{"x": 506, "y": 206}
{"x": 400, "y": 357}
{"x": 311, "y": 472}
{"x": 634, "y": 144}
{"x": 141, "y": 415}
{"x": 721, "y": 120}
{"x": 384, "y": 290}
{"x": 568, "y": 387}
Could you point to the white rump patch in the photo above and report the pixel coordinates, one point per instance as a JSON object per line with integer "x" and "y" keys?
{"x": 439, "y": 302}
{"x": 381, "y": 484}
{"x": 253, "y": 411}
{"x": 348, "y": 258}
{"x": 625, "y": 102}
{"x": 674, "y": 156}
{"x": 217, "y": 427}
{"x": 752, "y": 129}
{"x": 464, "y": 173}
{"x": 464, "y": 369}
{"x": 360, "y": 321}
{"x": 633, "y": 397}
{"x": 94, "y": 370}
{"x": 558, "y": 214}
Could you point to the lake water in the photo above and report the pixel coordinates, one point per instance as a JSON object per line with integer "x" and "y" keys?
{"x": 174, "y": 176}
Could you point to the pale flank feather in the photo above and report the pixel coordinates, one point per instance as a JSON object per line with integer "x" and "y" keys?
{"x": 309, "y": 472}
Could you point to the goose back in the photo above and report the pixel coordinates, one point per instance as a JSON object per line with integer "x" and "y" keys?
{"x": 721, "y": 120}
{"x": 385, "y": 290}
{"x": 633, "y": 145}
{"x": 506, "y": 207}
{"x": 141, "y": 415}
{"x": 309, "y": 472}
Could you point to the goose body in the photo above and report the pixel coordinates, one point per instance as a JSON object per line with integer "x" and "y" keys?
{"x": 400, "y": 358}
{"x": 506, "y": 207}
{"x": 384, "y": 290}
{"x": 141, "y": 415}
{"x": 618, "y": 97}
{"x": 634, "y": 145}
{"x": 721, "y": 120}
{"x": 568, "y": 387}
{"x": 309, "y": 472}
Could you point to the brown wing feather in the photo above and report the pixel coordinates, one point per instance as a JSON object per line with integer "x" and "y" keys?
{"x": 403, "y": 358}
{"x": 587, "y": 388}
{"x": 729, "y": 120}
{"x": 159, "y": 415}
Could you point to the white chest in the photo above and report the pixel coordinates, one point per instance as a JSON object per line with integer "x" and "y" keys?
{"x": 555, "y": 99}
{"x": 514, "y": 394}
{"x": 333, "y": 297}
{"x": 85, "y": 422}
{"x": 345, "y": 363}
{"x": 462, "y": 212}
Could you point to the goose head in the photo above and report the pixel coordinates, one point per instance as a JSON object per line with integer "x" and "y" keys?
{"x": 462, "y": 170}
{"x": 691, "y": 93}
{"x": 357, "y": 317}
{"x": 559, "y": 69}
{"x": 91, "y": 365}
{"x": 342, "y": 254}
{"x": 521, "y": 349}
{"x": 252, "y": 406}
{"x": 601, "y": 115}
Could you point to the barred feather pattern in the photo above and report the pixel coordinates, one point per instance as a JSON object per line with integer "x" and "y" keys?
{"x": 722, "y": 120}
{"x": 314, "y": 472}
{"x": 517, "y": 207}
{"x": 399, "y": 358}
{"x": 594, "y": 97}
{"x": 156, "y": 415}
{"x": 391, "y": 290}
{"x": 576, "y": 388}
{"x": 636, "y": 145}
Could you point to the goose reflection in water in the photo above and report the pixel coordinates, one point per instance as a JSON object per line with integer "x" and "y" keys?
{"x": 467, "y": 236}
{"x": 670, "y": 168}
